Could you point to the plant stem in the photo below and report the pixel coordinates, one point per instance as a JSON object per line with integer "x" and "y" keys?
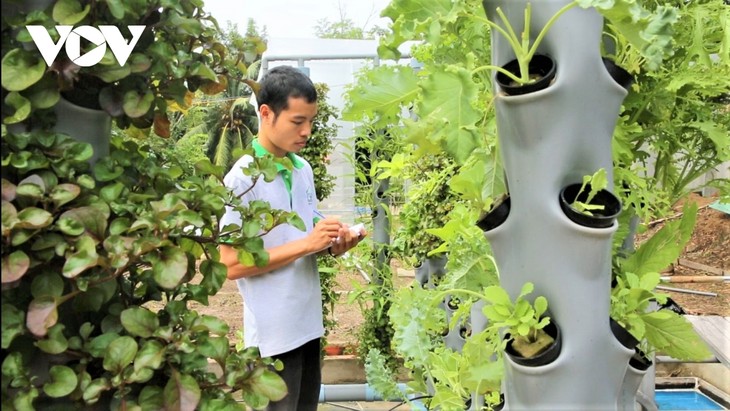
{"x": 500, "y": 69}
{"x": 547, "y": 26}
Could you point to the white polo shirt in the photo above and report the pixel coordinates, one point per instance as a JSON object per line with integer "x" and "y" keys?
{"x": 282, "y": 309}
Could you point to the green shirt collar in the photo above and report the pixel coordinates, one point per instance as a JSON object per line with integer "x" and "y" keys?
{"x": 260, "y": 151}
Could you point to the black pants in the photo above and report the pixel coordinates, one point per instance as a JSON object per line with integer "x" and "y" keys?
{"x": 303, "y": 376}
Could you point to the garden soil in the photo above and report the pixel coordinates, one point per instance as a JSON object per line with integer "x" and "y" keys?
{"x": 706, "y": 255}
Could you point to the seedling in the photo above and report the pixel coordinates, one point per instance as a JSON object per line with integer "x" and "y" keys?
{"x": 524, "y": 51}
{"x": 523, "y": 321}
{"x": 597, "y": 182}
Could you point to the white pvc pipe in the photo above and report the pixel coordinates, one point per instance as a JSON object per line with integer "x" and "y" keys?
{"x": 360, "y": 392}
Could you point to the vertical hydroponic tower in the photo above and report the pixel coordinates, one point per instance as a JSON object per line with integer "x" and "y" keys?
{"x": 549, "y": 139}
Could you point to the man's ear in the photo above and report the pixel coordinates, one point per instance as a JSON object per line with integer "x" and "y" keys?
{"x": 265, "y": 111}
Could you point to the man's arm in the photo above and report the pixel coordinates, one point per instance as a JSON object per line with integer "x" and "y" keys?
{"x": 324, "y": 233}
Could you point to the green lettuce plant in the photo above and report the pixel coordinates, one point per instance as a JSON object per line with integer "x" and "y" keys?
{"x": 449, "y": 377}
{"x": 100, "y": 266}
{"x": 524, "y": 321}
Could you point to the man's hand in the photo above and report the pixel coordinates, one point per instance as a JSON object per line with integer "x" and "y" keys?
{"x": 324, "y": 234}
{"x": 348, "y": 237}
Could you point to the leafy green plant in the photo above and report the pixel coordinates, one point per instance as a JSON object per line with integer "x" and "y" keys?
{"x": 450, "y": 377}
{"x": 635, "y": 292}
{"x": 678, "y": 112}
{"x": 523, "y": 321}
{"x": 594, "y": 183}
{"x": 523, "y": 50}
{"x": 99, "y": 268}
{"x": 673, "y": 128}
{"x": 649, "y": 31}
{"x": 177, "y": 55}
{"x": 429, "y": 201}
{"x": 376, "y": 331}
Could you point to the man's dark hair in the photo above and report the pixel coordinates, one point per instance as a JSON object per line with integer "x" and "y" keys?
{"x": 282, "y": 82}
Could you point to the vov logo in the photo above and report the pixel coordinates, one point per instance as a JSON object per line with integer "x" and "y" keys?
{"x": 71, "y": 37}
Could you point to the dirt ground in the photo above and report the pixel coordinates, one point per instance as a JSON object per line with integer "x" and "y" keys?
{"x": 708, "y": 247}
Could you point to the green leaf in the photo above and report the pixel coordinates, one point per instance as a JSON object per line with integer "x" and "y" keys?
{"x": 92, "y": 218}
{"x": 140, "y": 321}
{"x": 113, "y": 72}
{"x": 21, "y": 105}
{"x": 214, "y": 274}
{"x": 13, "y": 324}
{"x": 674, "y": 335}
{"x": 181, "y": 392}
{"x": 55, "y": 342}
{"x": 151, "y": 398}
{"x": 62, "y": 382}
{"x": 64, "y": 193}
{"x": 69, "y": 12}
{"x": 382, "y": 93}
{"x": 650, "y": 32}
{"x": 215, "y": 348}
{"x": 98, "y": 345}
{"x": 269, "y": 384}
{"x": 665, "y": 246}
{"x": 150, "y": 356}
{"x": 119, "y": 354}
{"x": 21, "y": 69}
{"x": 94, "y": 390}
{"x": 171, "y": 267}
{"x": 201, "y": 70}
{"x": 448, "y": 95}
{"x": 14, "y": 266}
{"x": 378, "y": 376}
{"x": 95, "y": 296}
{"x": 214, "y": 325}
{"x": 136, "y": 105}
{"x": 111, "y": 192}
{"x": 84, "y": 258}
{"x": 32, "y": 217}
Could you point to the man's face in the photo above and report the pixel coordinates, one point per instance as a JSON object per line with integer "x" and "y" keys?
{"x": 287, "y": 132}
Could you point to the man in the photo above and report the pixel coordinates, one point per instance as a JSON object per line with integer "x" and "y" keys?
{"x": 282, "y": 300}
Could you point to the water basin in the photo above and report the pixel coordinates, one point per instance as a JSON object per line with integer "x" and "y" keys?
{"x": 685, "y": 400}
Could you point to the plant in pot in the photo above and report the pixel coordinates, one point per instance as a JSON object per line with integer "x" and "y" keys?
{"x": 636, "y": 306}
{"x": 100, "y": 268}
{"x": 177, "y": 54}
{"x": 450, "y": 377}
{"x": 530, "y": 72}
{"x": 590, "y": 203}
{"x": 530, "y": 338}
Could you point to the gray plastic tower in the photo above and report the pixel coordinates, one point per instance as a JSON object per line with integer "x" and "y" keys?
{"x": 550, "y": 139}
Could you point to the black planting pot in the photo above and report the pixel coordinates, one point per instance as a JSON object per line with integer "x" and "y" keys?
{"x": 600, "y": 218}
{"x": 639, "y": 361}
{"x": 496, "y": 216}
{"x": 541, "y": 66}
{"x": 618, "y": 74}
{"x": 500, "y": 405}
{"x": 622, "y": 335}
{"x": 545, "y": 357}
